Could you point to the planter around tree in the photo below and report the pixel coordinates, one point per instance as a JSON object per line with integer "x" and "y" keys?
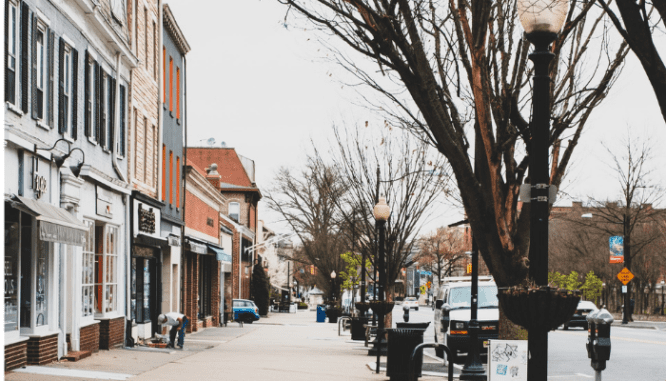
{"x": 382, "y": 307}
{"x": 362, "y": 307}
{"x": 542, "y": 308}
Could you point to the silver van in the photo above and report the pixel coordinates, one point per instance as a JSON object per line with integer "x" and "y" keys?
{"x": 452, "y": 316}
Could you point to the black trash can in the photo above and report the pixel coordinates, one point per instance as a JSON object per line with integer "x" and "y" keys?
{"x": 357, "y": 328}
{"x": 401, "y": 344}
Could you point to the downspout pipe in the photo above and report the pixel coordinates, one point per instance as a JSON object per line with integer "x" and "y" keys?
{"x": 184, "y": 178}
{"x": 116, "y": 118}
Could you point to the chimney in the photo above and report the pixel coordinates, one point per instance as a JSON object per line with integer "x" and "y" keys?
{"x": 213, "y": 177}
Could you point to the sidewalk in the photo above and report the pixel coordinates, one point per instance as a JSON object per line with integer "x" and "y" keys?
{"x": 282, "y": 346}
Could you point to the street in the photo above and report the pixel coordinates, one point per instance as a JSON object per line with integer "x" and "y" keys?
{"x": 295, "y": 347}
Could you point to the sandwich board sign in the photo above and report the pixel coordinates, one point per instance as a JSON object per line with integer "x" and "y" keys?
{"x": 507, "y": 360}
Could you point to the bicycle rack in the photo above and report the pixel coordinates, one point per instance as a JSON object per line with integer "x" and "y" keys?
{"x": 340, "y": 320}
{"x": 429, "y": 345}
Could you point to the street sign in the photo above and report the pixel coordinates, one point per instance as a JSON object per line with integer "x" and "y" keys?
{"x": 624, "y": 289}
{"x": 625, "y": 276}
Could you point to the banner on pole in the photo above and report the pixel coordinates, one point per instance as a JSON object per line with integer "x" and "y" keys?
{"x": 616, "y": 244}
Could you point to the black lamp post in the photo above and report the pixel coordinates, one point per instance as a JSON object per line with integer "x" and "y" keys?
{"x": 333, "y": 275}
{"x": 662, "y": 297}
{"x": 382, "y": 212}
{"x": 473, "y": 369}
{"x": 542, "y": 21}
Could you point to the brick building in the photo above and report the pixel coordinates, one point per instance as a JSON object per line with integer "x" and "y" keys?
{"x": 237, "y": 184}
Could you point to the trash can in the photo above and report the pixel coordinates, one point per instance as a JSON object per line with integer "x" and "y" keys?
{"x": 321, "y": 313}
{"x": 357, "y": 328}
{"x": 401, "y": 344}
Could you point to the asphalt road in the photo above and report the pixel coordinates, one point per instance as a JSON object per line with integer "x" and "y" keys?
{"x": 636, "y": 354}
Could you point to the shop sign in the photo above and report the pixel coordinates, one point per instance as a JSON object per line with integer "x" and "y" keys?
{"x": 146, "y": 220}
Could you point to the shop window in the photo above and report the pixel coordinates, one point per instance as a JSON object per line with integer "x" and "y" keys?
{"x": 106, "y": 268}
{"x": 143, "y": 287}
{"x": 12, "y": 263}
{"x": 88, "y": 272}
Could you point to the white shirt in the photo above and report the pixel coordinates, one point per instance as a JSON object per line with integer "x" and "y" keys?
{"x": 172, "y": 318}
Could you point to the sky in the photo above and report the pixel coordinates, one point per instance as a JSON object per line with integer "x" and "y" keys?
{"x": 266, "y": 89}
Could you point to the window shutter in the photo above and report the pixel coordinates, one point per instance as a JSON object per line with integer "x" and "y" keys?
{"x": 75, "y": 93}
{"x": 121, "y": 133}
{"x": 112, "y": 113}
{"x": 97, "y": 109}
{"x": 49, "y": 98}
{"x": 7, "y": 97}
{"x": 86, "y": 95}
{"x": 61, "y": 87}
{"x": 102, "y": 109}
{"x": 33, "y": 62}
{"x": 25, "y": 24}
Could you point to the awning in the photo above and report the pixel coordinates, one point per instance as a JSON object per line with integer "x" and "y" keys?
{"x": 55, "y": 224}
{"x": 226, "y": 230}
{"x": 196, "y": 247}
{"x": 220, "y": 254}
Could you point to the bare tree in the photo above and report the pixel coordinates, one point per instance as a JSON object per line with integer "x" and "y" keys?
{"x": 442, "y": 249}
{"x": 447, "y": 70}
{"x": 636, "y": 24}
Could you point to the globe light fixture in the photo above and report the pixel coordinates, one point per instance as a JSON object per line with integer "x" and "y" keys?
{"x": 542, "y": 16}
{"x": 333, "y": 275}
{"x": 382, "y": 210}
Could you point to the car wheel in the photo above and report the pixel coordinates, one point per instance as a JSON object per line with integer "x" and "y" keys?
{"x": 566, "y": 327}
{"x": 416, "y": 308}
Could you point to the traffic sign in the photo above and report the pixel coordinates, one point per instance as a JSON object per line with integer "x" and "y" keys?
{"x": 625, "y": 276}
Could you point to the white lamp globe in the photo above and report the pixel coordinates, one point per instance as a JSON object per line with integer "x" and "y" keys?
{"x": 542, "y": 15}
{"x": 382, "y": 210}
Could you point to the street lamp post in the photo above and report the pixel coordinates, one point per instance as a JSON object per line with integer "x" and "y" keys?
{"x": 473, "y": 369}
{"x": 382, "y": 212}
{"x": 542, "y": 21}
{"x": 662, "y": 297}
{"x": 333, "y": 275}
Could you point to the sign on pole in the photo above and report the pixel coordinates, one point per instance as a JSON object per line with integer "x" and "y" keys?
{"x": 625, "y": 276}
{"x": 616, "y": 244}
{"x": 507, "y": 360}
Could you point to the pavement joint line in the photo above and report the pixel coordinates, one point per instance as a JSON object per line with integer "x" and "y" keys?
{"x": 206, "y": 341}
{"x": 44, "y": 370}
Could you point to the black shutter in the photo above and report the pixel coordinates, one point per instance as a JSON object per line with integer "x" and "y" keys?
{"x": 7, "y": 96}
{"x": 75, "y": 93}
{"x": 86, "y": 95}
{"x": 49, "y": 102}
{"x": 33, "y": 61}
{"x": 102, "y": 107}
{"x": 112, "y": 112}
{"x": 96, "y": 116}
{"x": 61, "y": 87}
{"x": 121, "y": 133}
{"x": 25, "y": 31}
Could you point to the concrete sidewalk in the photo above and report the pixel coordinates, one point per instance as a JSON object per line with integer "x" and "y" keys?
{"x": 282, "y": 346}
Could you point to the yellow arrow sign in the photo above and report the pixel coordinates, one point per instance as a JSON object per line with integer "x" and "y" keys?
{"x": 625, "y": 276}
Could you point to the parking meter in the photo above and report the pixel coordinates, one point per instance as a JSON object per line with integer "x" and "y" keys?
{"x": 591, "y": 333}
{"x": 405, "y": 316}
{"x": 601, "y": 343}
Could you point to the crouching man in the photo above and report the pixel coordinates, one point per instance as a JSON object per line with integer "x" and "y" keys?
{"x": 178, "y": 323}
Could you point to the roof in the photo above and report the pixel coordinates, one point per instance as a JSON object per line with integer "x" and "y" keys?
{"x": 237, "y": 172}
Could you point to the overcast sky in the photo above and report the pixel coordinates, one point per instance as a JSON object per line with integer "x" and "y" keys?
{"x": 265, "y": 89}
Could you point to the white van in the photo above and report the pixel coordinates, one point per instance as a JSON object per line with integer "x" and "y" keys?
{"x": 453, "y": 313}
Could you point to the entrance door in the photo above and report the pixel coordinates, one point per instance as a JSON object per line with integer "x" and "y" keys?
{"x": 145, "y": 291}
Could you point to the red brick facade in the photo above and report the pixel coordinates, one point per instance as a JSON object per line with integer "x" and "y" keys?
{"x": 16, "y": 355}
{"x": 89, "y": 336}
{"x": 42, "y": 350}
{"x": 111, "y": 333}
{"x": 198, "y": 215}
{"x": 191, "y": 291}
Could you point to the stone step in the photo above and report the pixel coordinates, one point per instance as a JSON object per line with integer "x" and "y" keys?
{"x": 76, "y": 356}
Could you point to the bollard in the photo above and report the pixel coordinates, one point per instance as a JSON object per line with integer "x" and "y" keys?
{"x": 343, "y": 321}
{"x": 599, "y": 342}
{"x": 405, "y": 315}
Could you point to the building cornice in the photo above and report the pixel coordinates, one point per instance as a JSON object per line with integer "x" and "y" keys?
{"x": 171, "y": 26}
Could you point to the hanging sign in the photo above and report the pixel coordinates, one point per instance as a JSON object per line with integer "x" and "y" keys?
{"x": 616, "y": 244}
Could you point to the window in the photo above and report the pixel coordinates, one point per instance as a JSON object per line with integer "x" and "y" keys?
{"x": 178, "y": 93}
{"x": 103, "y": 107}
{"x": 67, "y": 93}
{"x": 66, "y": 98}
{"x": 11, "y": 19}
{"x": 88, "y": 272}
{"x": 234, "y": 211}
{"x": 164, "y": 173}
{"x": 40, "y": 66}
{"x": 154, "y": 50}
{"x": 106, "y": 262}
{"x": 89, "y": 121}
{"x": 170, "y": 177}
{"x": 177, "y": 182}
{"x": 170, "y": 84}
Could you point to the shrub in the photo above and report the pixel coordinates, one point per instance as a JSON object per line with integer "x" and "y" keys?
{"x": 302, "y": 306}
{"x": 260, "y": 289}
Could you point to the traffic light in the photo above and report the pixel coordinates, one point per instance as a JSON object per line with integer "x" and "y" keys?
{"x": 429, "y": 284}
{"x": 469, "y": 268}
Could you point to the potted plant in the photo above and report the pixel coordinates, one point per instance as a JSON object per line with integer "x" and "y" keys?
{"x": 333, "y": 312}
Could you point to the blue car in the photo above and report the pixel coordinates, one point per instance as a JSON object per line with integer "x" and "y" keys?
{"x": 245, "y": 311}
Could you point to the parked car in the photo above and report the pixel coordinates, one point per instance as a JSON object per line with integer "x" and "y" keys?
{"x": 452, "y": 316}
{"x": 579, "y": 318}
{"x": 411, "y": 302}
{"x": 245, "y": 311}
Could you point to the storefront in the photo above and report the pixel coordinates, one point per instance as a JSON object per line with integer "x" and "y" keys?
{"x": 201, "y": 283}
